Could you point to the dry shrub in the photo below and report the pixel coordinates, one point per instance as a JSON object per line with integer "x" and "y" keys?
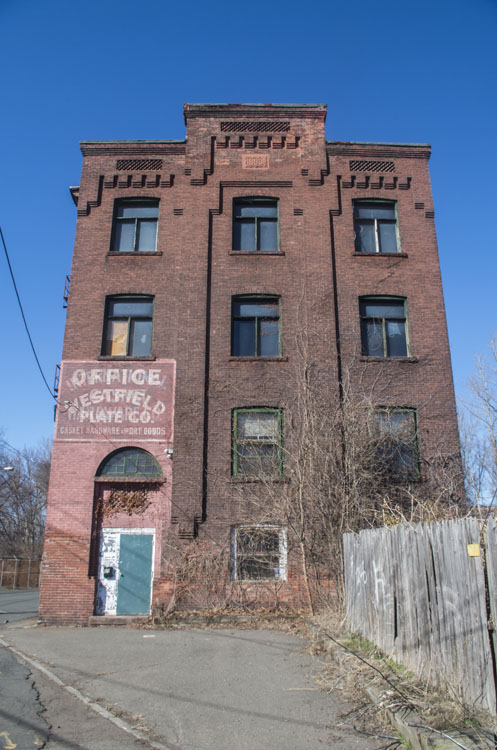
{"x": 124, "y": 500}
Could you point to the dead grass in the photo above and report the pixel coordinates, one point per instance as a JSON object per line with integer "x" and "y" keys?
{"x": 352, "y": 665}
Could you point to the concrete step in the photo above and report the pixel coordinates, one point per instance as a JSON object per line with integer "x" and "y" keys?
{"x": 97, "y": 620}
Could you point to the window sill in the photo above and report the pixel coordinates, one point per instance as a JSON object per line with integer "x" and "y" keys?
{"x": 365, "y": 358}
{"x": 380, "y": 255}
{"x": 258, "y": 480}
{"x": 107, "y": 358}
{"x": 130, "y": 480}
{"x": 134, "y": 253}
{"x": 258, "y": 253}
{"x": 244, "y": 358}
{"x": 255, "y": 581}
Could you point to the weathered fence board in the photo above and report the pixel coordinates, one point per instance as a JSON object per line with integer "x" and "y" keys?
{"x": 415, "y": 592}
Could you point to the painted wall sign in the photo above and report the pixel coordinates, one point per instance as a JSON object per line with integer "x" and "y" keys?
{"x": 121, "y": 400}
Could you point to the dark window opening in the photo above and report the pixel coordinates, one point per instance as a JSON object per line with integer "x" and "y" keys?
{"x": 383, "y": 327}
{"x": 255, "y": 327}
{"x": 255, "y": 225}
{"x": 135, "y": 226}
{"x": 375, "y": 226}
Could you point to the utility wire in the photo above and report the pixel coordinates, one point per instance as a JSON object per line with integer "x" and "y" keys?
{"x": 24, "y": 317}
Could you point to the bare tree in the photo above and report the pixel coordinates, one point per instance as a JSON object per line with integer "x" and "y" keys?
{"x": 479, "y": 430}
{"x": 24, "y": 479}
{"x": 349, "y": 465}
{"x": 346, "y": 464}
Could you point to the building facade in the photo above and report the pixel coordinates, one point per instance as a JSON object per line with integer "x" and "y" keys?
{"x": 204, "y": 270}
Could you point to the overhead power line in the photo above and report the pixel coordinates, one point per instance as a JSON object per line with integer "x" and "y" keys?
{"x": 24, "y": 317}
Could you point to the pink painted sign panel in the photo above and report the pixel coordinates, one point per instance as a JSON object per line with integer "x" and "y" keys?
{"x": 123, "y": 401}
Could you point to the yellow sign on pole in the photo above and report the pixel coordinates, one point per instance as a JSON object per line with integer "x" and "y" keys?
{"x": 474, "y": 550}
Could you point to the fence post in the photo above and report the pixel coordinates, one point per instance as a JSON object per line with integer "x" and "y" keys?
{"x": 15, "y": 575}
{"x": 1, "y": 574}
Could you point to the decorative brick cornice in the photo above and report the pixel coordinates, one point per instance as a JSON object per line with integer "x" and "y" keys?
{"x": 256, "y": 112}
{"x": 139, "y": 181}
{"x": 375, "y": 150}
{"x": 376, "y": 182}
{"x": 246, "y": 184}
{"x": 258, "y": 141}
{"x": 187, "y": 527}
{"x": 84, "y": 210}
{"x": 124, "y": 181}
{"x": 257, "y": 183}
{"x": 138, "y": 149}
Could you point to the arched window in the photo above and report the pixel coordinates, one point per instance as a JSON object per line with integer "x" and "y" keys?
{"x": 129, "y": 462}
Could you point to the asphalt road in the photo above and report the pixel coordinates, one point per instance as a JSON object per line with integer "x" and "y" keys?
{"x": 21, "y": 725}
{"x": 18, "y": 604}
{"x": 125, "y": 688}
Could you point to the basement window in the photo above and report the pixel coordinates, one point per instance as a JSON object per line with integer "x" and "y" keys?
{"x": 128, "y": 327}
{"x": 375, "y": 225}
{"x": 255, "y": 326}
{"x": 135, "y": 226}
{"x": 255, "y": 225}
{"x": 259, "y": 553}
{"x": 257, "y": 443}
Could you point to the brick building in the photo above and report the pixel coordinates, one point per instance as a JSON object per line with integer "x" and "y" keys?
{"x": 197, "y": 266}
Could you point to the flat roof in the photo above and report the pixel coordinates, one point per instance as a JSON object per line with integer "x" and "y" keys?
{"x": 251, "y": 104}
{"x": 374, "y": 143}
{"x": 142, "y": 140}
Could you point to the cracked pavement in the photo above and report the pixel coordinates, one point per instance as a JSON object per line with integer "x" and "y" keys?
{"x": 122, "y": 688}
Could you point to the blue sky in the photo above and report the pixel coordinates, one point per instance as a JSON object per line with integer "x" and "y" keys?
{"x": 403, "y": 71}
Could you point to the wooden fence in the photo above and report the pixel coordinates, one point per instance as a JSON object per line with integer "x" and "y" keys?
{"x": 19, "y": 574}
{"x": 419, "y": 592}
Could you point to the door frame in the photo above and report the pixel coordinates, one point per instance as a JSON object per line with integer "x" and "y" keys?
{"x": 106, "y": 597}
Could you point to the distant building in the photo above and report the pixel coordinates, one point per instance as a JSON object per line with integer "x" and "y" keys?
{"x": 195, "y": 264}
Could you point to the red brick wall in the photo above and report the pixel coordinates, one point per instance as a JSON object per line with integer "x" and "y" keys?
{"x": 193, "y": 277}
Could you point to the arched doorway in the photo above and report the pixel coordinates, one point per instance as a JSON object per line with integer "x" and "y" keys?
{"x": 126, "y": 553}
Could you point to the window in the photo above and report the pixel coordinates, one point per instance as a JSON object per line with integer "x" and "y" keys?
{"x": 257, "y": 443}
{"x": 375, "y": 226}
{"x": 135, "y": 226}
{"x": 128, "y": 327}
{"x": 397, "y": 448}
{"x": 255, "y": 330}
{"x": 383, "y": 326}
{"x": 259, "y": 553}
{"x": 255, "y": 225}
{"x": 129, "y": 462}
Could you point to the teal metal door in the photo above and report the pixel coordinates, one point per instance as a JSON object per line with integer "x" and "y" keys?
{"x": 135, "y": 574}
